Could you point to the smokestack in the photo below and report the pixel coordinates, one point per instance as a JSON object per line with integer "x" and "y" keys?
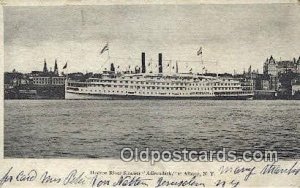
{"x": 160, "y": 68}
{"x": 143, "y": 63}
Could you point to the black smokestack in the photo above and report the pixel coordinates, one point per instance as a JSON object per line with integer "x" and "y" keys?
{"x": 160, "y": 67}
{"x": 143, "y": 63}
{"x": 112, "y": 67}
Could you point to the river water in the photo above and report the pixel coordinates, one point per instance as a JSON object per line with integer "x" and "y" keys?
{"x": 100, "y": 129}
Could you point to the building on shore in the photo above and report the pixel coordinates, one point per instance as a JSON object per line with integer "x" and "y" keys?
{"x": 43, "y": 84}
{"x": 274, "y": 68}
{"x": 276, "y": 79}
{"x": 296, "y": 88}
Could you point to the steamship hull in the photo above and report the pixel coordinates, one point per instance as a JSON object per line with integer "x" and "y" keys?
{"x": 84, "y": 96}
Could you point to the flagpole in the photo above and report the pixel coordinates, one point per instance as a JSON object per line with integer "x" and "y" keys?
{"x": 217, "y": 70}
{"x": 108, "y": 50}
{"x": 66, "y": 82}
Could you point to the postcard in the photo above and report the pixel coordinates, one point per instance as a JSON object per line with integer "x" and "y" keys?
{"x": 150, "y": 94}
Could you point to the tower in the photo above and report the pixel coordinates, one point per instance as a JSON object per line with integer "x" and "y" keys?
{"x": 55, "y": 68}
{"x": 265, "y": 68}
{"x": 45, "y": 66}
{"x": 272, "y": 67}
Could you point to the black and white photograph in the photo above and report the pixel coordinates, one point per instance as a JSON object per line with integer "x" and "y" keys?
{"x": 164, "y": 81}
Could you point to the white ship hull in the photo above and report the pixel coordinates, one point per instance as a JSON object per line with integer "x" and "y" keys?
{"x": 79, "y": 96}
{"x": 86, "y": 96}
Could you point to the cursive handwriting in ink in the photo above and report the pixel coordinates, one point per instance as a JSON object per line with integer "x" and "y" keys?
{"x": 7, "y": 177}
{"x": 98, "y": 182}
{"x": 47, "y": 178}
{"x": 179, "y": 183}
{"x": 131, "y": 181}
{"x": 276, "y": 168}
{"x": 74, "y": 178}
{"x": 248, "y": 171}
{"x": 30, "y": 176}
{"x": 223, "y": 183}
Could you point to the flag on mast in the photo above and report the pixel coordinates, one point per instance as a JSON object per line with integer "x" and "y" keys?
{"x": 65, "y": 66}
{"x": 105, "y": 48}
{"x": 199, "y": 51}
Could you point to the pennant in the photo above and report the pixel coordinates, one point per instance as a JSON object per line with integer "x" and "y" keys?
{"x": 199, "y": 51}
{"x": 65, "y": 66}
{"x": 105, "y": 48}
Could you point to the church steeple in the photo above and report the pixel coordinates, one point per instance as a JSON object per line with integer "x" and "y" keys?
{"x": 55, "y": 68}
{"x": 45, "y": 66}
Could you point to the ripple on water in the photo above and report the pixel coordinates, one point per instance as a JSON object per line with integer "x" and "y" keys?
{"x": 99, "y": 129}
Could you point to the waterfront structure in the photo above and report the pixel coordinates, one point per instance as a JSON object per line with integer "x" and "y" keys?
{"x": 273, "y": 67}
{"x": 279, "y": 74}
{"x": 296, "y": 87}
{"x": 43, "y": 84}
{"x": 142, "y": 85}
{"x": 48, "y": 80}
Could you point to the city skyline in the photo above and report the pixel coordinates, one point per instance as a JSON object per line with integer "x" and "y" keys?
{"x": 236, "y": 36}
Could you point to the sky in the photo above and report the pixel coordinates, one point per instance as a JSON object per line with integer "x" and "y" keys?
{"x": 232, "y": 37}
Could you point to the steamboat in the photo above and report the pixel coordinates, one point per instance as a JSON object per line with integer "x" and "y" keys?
{"x": 142, "y": 85}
